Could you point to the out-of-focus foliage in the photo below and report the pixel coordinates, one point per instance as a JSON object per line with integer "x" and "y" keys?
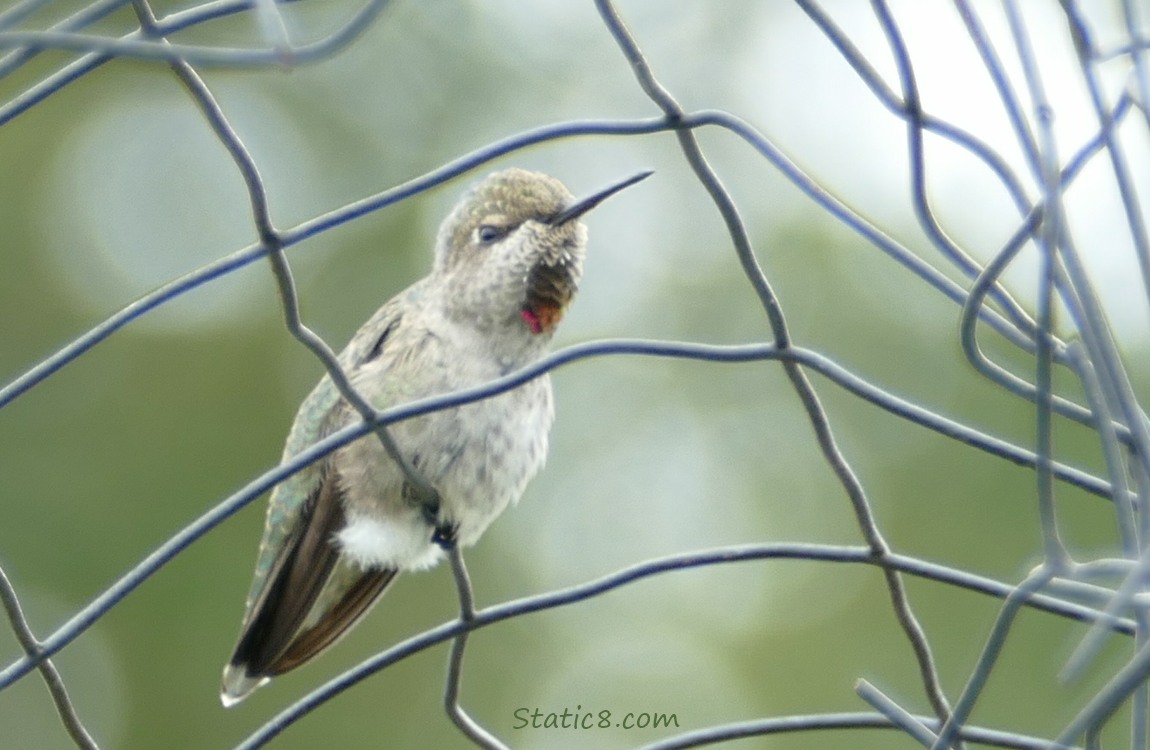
{"x": 115, "y": 185}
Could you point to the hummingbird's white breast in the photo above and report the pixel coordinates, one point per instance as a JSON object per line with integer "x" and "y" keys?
{"x": 479, "y": 456}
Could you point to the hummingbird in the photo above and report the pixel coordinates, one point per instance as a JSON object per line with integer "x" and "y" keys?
{"x": 508, "y": 261}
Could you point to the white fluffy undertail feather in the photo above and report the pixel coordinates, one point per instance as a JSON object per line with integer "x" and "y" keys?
{"x": 371, "y": 543}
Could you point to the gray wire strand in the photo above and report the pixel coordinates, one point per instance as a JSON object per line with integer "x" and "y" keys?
{"x": 1084, "y": 45}
{"x": 52, "y": 679}
{"x": 1055, "y": 556}
{"x": 993, "y": 270}
{"x": 233, "y": 57}
{"x": 494, "y": 614}
{"x": 423, "y": 492}
{"x": 1024, "y": 326}
{"x": 825, "y": 722}
{"x": 454, "y": 683}
{"x": 1085, "y": 592}
{"x": 78, "y": 20}
{"x": 114, "y": 593}
{"x": 986, "y": 283}
{"x": 818, "y": 418}
{"x": 896, "y": 714}
{"x": 952, "y": 728}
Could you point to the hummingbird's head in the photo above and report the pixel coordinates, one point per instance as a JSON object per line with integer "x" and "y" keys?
{"x": 511, "y": 252}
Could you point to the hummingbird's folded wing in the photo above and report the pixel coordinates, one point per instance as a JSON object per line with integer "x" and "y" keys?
{"x": 304, "y": 594}
{"x": 310, "y": 599}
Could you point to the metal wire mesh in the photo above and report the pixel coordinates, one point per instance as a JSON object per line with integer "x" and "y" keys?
{"x": 1063, "y": 360}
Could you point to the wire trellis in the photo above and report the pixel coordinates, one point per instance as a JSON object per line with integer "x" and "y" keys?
{"x": 1059, "y": 585}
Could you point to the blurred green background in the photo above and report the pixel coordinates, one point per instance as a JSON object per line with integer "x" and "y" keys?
{"x": 115, "y": 185}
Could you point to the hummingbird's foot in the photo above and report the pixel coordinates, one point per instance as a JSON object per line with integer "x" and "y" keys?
{"x": 444, "y": 535}
{"x": 444, "y": 531}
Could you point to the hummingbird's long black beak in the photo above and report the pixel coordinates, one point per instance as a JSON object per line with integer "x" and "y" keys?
{"x": 578, "y": 208}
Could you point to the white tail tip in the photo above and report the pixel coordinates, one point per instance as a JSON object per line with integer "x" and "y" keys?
{"x": 238, "y": 684}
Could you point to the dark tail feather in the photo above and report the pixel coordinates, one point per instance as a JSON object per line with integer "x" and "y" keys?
{"x": 272, "y": 641}
{"x": 355, "y": 603}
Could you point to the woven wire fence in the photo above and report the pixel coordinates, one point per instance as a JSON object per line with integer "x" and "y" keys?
{"x": 1062, "y": 359}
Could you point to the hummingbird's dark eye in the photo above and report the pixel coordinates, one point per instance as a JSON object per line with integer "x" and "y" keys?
{"x": 487, "y": 233}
